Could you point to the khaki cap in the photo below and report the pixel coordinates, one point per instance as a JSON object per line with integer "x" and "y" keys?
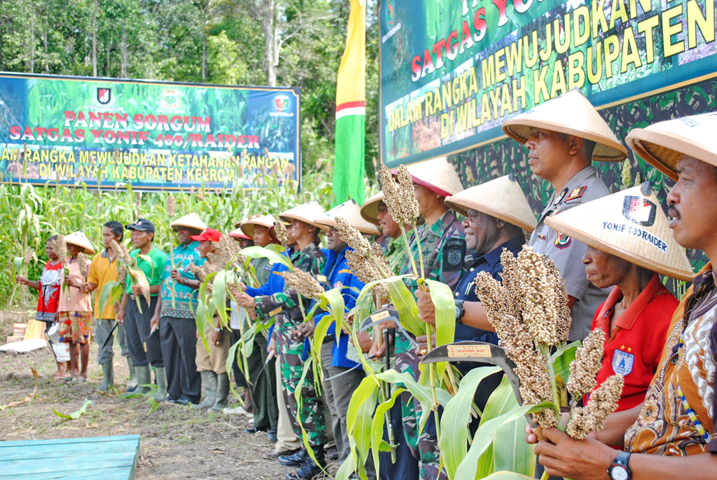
{"x": 663, "y": 144}
{"x": 369, "y": 210}
{"x": 307, "y": 213}
{"x": 351, "y": 212}
{"x": 437, "y": 175}
{"x": 631, "y": 225}
{"x": 191, "y": 220}
{"x": 81, "y": 240}
{"x": 573, "y": 114}
{"x": 500, "y": 198}
{"x": 247, "y": 226}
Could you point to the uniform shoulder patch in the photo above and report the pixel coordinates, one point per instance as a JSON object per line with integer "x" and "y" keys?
{"x": 576, "y": 193}
{"x": 454, "y": 251}
{"x": 563, "y": 241}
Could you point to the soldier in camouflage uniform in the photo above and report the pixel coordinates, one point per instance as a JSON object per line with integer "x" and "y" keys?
{"x": 406, "y": 465}
{"x": 442, "y": 244}
{"x": 284, "y": 307}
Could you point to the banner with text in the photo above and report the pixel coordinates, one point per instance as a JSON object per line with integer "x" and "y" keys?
{"x": 453, "y": 70}
{"x": 151, "y": 135}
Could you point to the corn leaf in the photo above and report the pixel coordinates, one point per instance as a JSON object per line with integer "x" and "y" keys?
{"x": 423, "y": 394}
{"x": 111, "y": 293}
{"x": 510, "y": 450}
{"x": 445, "y": 327}
{"x": 335, "y": 301}
{"x": 262, "y": 252}
{"x": 508, "y": 476}
{"x": 562, "y": 359}
{"x": 379, "y": 420}
{"x": 406, "y": 306}
{"x": 485, "y": 437}
{"x": 219, "y": 296}
{"x": 140, "y": 279}
{"x": 456, "y": 417}
{"x": 147, "y": 259}
{"x": 358, "y": 421}
{"x": 76, "y": 414}
{"x": 230, "y": 361}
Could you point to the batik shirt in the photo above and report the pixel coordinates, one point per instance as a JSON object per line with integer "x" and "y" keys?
{"x": 185, "y": 301}
{"x": 49, "y": 292}
{"x": 677, "y": 417}
{"x": 310, "y": 259}
{"x": 443, "y": 247}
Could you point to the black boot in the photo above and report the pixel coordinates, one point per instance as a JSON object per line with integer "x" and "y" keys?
{"x": 295, "y": 460}
{"x": 310, "y": 469}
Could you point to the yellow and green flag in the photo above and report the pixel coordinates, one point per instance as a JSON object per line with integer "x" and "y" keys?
{"x": 349, "y": 170}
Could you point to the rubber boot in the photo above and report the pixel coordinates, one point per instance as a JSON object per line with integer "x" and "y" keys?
{"x": 144, "y": 377}
{"x": 132, "y": 382}
{"x": 108, "y": 377}
{"x": 222, "y": 393}
{"x": 160, "y": 374}
{"x": 209, "y": 383}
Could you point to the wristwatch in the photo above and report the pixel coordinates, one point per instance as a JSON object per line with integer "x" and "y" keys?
{"x": 620, "y": 470}
{"x": 460, "y": 311}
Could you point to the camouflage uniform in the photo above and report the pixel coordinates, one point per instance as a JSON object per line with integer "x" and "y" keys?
{"x": 396, "y": 254}
{"x": 443, "y": 247}
{"x": 284, "y": 306}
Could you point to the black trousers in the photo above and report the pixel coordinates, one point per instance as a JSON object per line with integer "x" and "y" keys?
{"x": 137, "y": 334}
{"x": 179, "y": 348}
{"x": 263, "y": 387}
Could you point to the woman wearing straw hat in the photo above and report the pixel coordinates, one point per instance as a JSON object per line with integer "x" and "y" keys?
{"x": 74, "y": 313}
{"x": 677, "y": 417}
{"x": 261, "y": 390}
{"x": 563, "y": 136}
{"x": 284, "y": 307}
{"x": 629, "y": 244}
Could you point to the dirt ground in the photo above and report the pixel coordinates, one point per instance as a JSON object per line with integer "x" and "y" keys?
{"x": 176, "y": 442}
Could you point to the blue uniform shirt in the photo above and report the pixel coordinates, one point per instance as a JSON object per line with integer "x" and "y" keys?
{"x": 465, "y": 290}
{"x": 339, "y": 274}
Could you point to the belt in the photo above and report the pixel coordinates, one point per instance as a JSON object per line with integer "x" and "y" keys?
{"x": 329, "y": 338}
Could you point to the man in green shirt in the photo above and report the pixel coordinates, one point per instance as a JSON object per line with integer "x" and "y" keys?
{"x": 135, "y": 312}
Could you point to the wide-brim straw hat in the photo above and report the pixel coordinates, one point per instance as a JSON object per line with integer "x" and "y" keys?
{"x": 500, "y": 198}
{"x": 369, "y": 210}
{"x": 663, "y": 144}
{"x": 630, "y": 225}
{"x": 437, "y": 175}
{"x": 191, "y": 220}
{"x": 307, "y": 213}
{"x": 351, "y": 212}
{"x": 573, "y": 114}
{"x": 247, "y": 226}
{"x": 238, "y": 233}
{"x": 81, "y": 240}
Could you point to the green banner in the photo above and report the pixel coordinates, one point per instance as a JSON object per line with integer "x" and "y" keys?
{"x": 152, "y": 135}
{"x": 453, "y": 71}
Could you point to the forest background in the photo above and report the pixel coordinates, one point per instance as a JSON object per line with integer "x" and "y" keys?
{"x": 295, "y": 43}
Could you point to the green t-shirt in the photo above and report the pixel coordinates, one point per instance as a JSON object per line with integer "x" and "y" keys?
{"x": 153, "y": 270}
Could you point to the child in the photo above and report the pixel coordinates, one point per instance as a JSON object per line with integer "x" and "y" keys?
{"x": 49, "y": 287}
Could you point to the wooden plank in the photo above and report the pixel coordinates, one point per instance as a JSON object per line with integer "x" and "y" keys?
{"x": 66, "y": 441}
{"x": 105, "y": 458}
{"x": 63, "y": 451}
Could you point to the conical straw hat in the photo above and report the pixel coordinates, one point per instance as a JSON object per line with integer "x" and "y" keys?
{"x": 663, "y": 144}
{"x": 81, "y": 240}
{"x": 238, "y": 233}
{"x": 628, "y": 224}
{"x": 352, "y": 213}
{"x": 307, "y": 213}
{"x": 500, "y": 198}
{"x": 369, "y": 210}
{"x": 437, "y": 175}
{"x": 573, "y": 114}
{"x": 247, "y": 226}
{"x": 190, "y": 220}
